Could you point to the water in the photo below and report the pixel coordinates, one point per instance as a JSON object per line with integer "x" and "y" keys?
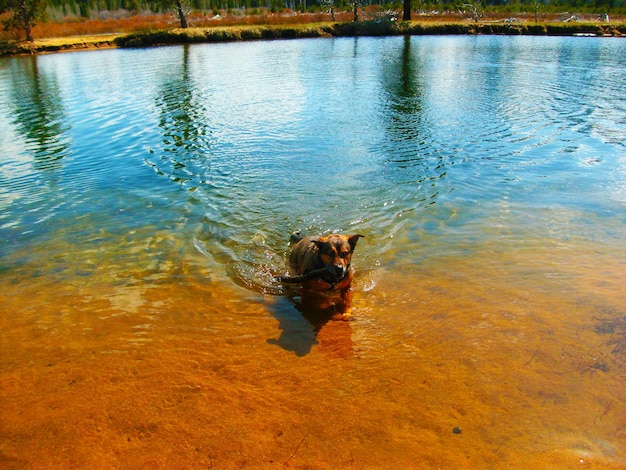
{"x": 146, "y": 200}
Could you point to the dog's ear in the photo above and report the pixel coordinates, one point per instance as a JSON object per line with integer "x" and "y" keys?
{"x": 320, "y": 244}
{"x": 353, "y": 239}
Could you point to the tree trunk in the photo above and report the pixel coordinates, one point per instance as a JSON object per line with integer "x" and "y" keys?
{"x": 356, "y": 11}
{"x": 181, "y": 14}
{"x": 536, "y": 11}
{"x": 26, "y": 20}
{"x": 406, "y": 16}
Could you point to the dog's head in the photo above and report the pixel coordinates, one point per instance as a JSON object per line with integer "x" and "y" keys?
{"x": 335, "y": 251}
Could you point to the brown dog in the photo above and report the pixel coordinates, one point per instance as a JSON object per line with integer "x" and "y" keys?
{"x": 323, "y": 266}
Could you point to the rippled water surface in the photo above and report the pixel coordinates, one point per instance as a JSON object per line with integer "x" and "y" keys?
{"x": 146, "y": 200}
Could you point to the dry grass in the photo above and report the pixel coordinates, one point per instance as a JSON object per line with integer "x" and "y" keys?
{"x": 145, "y": 23}
{"x": 153, "y": 22}
{"x": 74, "y": 33}
{"x": 78, "y": 27}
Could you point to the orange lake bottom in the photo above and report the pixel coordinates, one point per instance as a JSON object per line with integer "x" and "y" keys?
{"x": 456, "y": 363}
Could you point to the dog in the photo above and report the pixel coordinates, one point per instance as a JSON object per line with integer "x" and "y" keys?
{"x": 323, "y": 267}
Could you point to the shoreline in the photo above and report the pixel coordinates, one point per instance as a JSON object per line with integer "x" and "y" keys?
{"x": 61, "y": 44}
{"x": 312, "y": 30}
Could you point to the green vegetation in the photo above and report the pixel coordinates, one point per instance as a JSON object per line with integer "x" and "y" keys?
{"x": 95, "y": 8}
{"x": 62, "y": 10}
{"x": 321, "y": 18}
{"x": 366, "y": 28}
{"x": 310, "y": 30}
{"x": 22, "y": 15}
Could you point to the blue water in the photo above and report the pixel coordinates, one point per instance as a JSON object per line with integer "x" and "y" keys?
{"x": 425, "y": 145}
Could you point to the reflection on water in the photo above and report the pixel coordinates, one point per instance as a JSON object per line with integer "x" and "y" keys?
{"x": 38, "y": 115}
{"x": 146, "y": 201}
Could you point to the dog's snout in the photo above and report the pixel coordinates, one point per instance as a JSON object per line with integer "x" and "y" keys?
{"x": 338, "y": 270}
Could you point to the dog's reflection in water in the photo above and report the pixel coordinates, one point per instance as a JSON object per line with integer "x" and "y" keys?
{"x": 323, "y": 275}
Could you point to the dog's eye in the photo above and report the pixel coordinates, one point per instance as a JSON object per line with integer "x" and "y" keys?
{"x": 344, "y": 254}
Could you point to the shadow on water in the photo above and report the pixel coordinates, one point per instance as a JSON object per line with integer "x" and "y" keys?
{"x": 301, "y": 328}
{"x": 297, "y": 334}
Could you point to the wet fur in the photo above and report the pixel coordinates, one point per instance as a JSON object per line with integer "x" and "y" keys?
{"x": 323, "y": 265}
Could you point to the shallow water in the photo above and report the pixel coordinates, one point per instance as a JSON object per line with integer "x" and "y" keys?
{"x": 146, "y": 199}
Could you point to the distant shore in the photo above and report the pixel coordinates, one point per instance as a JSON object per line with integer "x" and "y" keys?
{"x": 268, "y": 32}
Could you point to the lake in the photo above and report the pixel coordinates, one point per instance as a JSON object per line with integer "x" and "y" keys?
{"x": 146, "y": 202}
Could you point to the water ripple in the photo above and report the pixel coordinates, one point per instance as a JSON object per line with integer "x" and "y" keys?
{"x": 424, "y": 145}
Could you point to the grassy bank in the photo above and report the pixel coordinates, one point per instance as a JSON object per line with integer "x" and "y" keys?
{"x": 367, "y": 28}
{"x": 348, "y": 29}
{"x": 39, "y": 46}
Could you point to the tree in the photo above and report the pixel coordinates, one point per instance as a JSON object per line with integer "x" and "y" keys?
{"x": 406, "y": 16}
{"x": 537, "y": 5}
{"x": 330, "y": 4}
{"x": 180, "y": 8}
{"x": 475, "y": 8}
{"x": 25, "y": 14}
{"x": 182, "y": 16}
